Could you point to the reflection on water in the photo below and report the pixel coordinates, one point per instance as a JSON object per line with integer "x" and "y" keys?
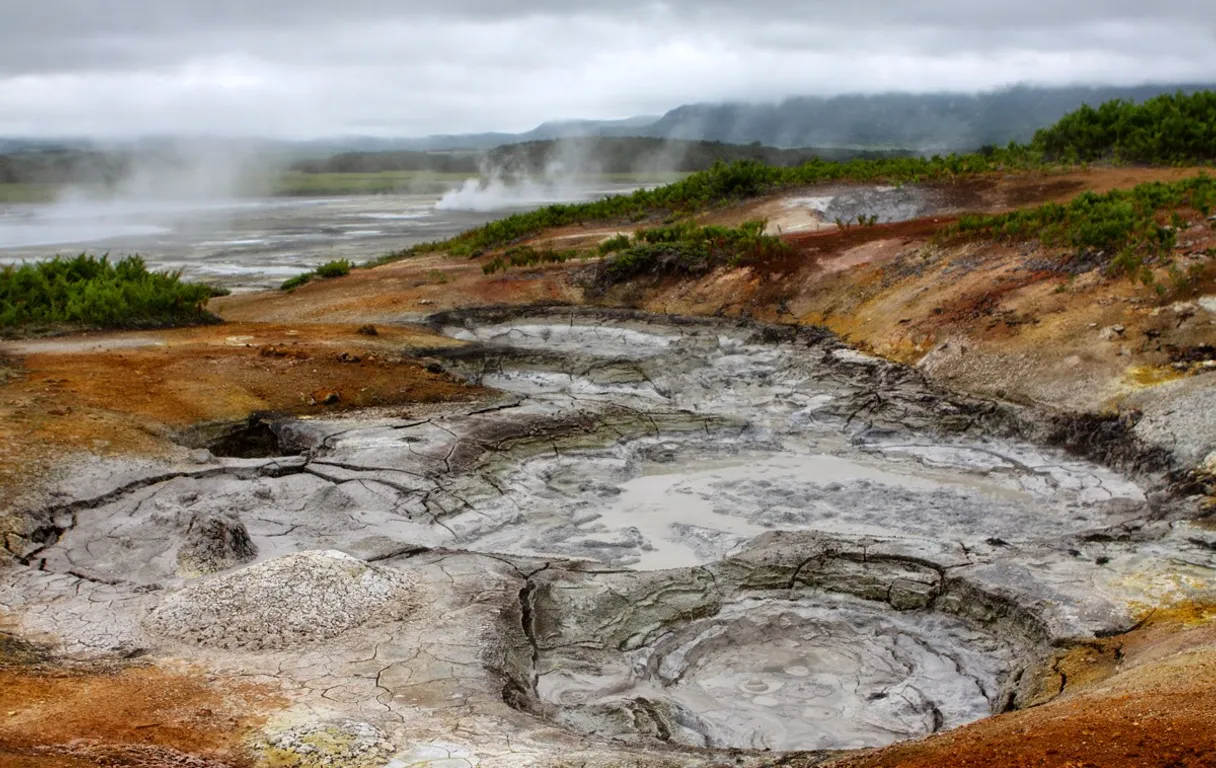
{"x": 251, "y": 243}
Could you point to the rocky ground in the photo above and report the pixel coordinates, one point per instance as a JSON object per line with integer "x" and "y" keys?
{"x": 699, "y": 530}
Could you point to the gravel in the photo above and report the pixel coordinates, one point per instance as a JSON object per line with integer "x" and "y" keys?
{"x": 284, "y": 603}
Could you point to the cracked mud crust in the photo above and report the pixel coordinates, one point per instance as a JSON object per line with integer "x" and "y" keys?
{"x": 668, "y": 540}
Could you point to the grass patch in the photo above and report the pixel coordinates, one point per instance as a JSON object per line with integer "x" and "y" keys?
{"x": 687, "y": 249}
{"x": 91, "y": 292}
{"x": 527, "y": 256}
{"x": 336, "y": 268}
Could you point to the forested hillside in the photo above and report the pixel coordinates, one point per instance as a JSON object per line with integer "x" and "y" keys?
{"x": 1167, "y": 129}
{"x": 936, "y": 122}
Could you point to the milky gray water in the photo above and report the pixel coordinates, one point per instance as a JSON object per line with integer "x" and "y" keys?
{"x": 258, "y": 242}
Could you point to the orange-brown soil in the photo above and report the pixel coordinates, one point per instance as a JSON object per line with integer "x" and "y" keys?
{"x": 62, "y": 715}
{"x": 128, "y": 393}
{"x": 408, "y": 288}
{"x": 1143, "y": 700}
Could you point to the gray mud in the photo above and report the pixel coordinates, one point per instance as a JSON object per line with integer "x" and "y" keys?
{"x": 693, "y": 535}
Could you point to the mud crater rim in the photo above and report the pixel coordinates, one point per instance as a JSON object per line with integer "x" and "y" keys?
{"x": 902, "y": 565}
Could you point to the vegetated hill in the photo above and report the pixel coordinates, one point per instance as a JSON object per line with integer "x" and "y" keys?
{"x": 1167, "y": 129}
{"x": 946, "y": 121}
{"x": 398, "y": 160}
{"x": 720, "y": 185}
{"x": 64, "y": 166}
{"x": 639, "y": 155}
{"x": 1176, "y": 127}
{"x": 936, "y": 122}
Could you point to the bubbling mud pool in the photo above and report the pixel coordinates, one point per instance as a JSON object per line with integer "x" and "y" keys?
{"x": 694, "y": 534}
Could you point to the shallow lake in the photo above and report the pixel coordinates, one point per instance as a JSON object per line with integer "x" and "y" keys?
{"x": 258, "y": 242}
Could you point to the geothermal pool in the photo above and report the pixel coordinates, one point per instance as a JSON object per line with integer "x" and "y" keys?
{"x": 662, "y": 534}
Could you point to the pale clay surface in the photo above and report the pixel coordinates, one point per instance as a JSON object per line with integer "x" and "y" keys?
{"x": 666, "y": 536}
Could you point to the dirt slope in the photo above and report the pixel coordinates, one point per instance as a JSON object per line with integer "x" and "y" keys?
{"x": 130, "y": 393}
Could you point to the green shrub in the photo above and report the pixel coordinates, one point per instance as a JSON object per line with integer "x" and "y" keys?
{"x": 682, "y": 248}
{"x": 1124, "y": 226}
{"x": 615, "y": 244}
{"x": 338, "y": 268}
{"x": 292, "y": 283}
{"x": 91, "y": 292}
{"x": 1168, "y": 129}
{"x": 687, "y": 249}
{"x": 527, "y": 256}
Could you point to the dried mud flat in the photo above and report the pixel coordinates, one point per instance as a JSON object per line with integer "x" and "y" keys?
{"x": 665, "y": 541}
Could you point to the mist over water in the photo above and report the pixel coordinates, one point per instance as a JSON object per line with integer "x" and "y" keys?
{"x": 571, "y": 170}
{"x": 205, "y": 209}
{"x": 158, "y": 192}
{"x": 252, "y": 243}
{"x": 498, "y": 194}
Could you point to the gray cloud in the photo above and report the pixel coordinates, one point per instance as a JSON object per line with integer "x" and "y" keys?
{"x": 316, "y": 67}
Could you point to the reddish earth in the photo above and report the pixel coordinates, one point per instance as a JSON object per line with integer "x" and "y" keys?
{"x": 1152, "y": 708}
{"x": 124, "y": 393}
{"x": 55, "y": 715}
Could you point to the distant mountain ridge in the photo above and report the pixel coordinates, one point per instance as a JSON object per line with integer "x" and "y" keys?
{"x": 921, "y": 122}
{"x": 928, "y": 123}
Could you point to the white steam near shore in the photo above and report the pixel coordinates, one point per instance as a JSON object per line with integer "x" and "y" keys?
{"x": 573, "y": 171}
{"x": 155, "y": 191}
{"x": 496, "y": 193}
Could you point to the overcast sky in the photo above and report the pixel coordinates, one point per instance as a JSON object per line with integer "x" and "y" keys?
{"x": 308, "y": 68}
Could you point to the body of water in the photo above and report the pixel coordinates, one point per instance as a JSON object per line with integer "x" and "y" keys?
{"x": 248, "y": 244}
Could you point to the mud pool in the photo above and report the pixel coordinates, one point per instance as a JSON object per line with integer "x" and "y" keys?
{"x": 665, "y": 537}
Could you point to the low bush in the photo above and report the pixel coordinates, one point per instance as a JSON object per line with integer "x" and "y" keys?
{"x": 688, "y": 249}
{"x": 337, "y": 268}
{"x": 1129, "y": 230}
{"x": 292, "y": 283}
{"x": 1172, "y": 128}
{"x": 93, "y": 292}
{"x": 527, "y": 256}
{"x": 615, "y": 244}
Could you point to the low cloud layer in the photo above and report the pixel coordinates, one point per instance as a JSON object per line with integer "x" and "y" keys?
{"x": 310, "y": 68}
